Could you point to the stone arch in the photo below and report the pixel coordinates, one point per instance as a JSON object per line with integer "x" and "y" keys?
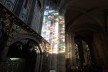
{"x": 96, "y": 26}
{"x": 32, "y": 37}
{"x": 98, "y": 38}
{"x": 32, "y": 58}
{"x": 85, "y": 12}
{"x": 81, "y": 13}
{"x": 19, "y": 37}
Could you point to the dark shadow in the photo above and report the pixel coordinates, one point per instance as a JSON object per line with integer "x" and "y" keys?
{"x": 29, "y": 54}
{"x": 15, "y": 50}
{"x": 26, "y": 52}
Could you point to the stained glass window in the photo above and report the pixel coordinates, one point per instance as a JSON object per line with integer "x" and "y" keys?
{"x": 53, "y": 30}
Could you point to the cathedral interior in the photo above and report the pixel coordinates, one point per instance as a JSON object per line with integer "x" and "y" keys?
{"x": 24, "y": 49}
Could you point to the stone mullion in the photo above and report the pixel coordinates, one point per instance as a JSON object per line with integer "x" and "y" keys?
{"x": 68, "y": 63}
{"x": 73, "y": 63}
{"x": 66, "y": 42}
{"x": 70, "y": 46}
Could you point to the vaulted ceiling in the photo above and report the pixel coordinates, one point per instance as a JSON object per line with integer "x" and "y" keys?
{"x": 83, "y": 15}
{"x": 78, "y": 11}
